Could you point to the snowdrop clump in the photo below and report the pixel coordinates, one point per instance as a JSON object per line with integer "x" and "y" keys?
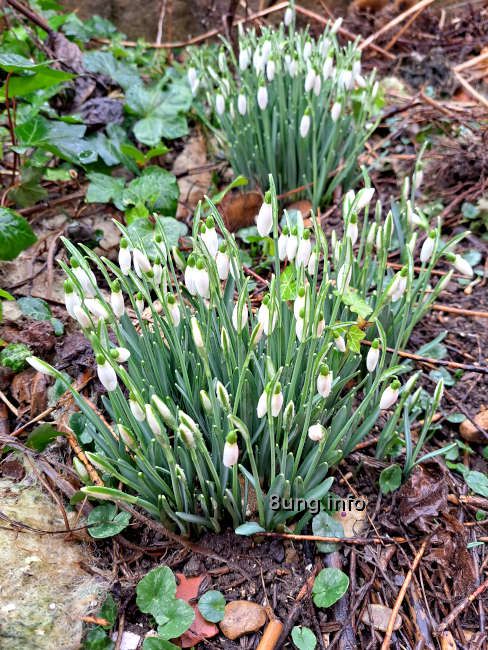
{"x": 215, "y": 390}
{"x": 291, "y": 105}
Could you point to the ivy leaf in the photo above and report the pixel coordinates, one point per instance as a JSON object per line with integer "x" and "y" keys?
{"x": 30, "y": 190}
{"x": 11, "y": 62}
{"x": 477, "y": 482}
{"x": 104, "y": 188}
{"x": 155, "y": 188}
{"x": 105, "y": 63}
{"x": 104, "y": 521}
{"x": 249, "y": 528}
{"x": 14, "y": 356}
{"x": 212, "y": 606}
{"x": 303, "y": 638}
{"x": 354, "y": 337}
{"x": 34, "y": 308}
{"x": 355, "y": 302}
{"x": 155, "y": 590}
{"x": 324, "y": 525}
{"x": 390, "y": 479}
{"x": 15, "y": 234}
{"x": 42, "y": 79}
{"x": 329, "y": 587}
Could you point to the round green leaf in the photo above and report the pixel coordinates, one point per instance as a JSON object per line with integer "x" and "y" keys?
{"x": 155, "y": 590}
{"x": 390, "y": 478}
{"x": 324, "y": 525}
{"x": 212, "y": 606}
{"x": 329, "y": 587}
{"x": 176, "y": 618}
{"x": 15, "y": 234}
{"x": 303, "y": 638}
{"x": 104, "y": 521}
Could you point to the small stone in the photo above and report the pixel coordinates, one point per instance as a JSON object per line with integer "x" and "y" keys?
{"x": 378, "y": 616}
{"x": 242, "y": 617}
{"x": 129, "y": 640}
{"x": 469, "y": 432}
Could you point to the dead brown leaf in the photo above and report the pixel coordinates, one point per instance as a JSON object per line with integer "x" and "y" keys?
{"x": 423, "y": 496}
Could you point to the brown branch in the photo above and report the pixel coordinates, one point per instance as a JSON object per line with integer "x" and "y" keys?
{"x": 450, "y": 618}
{"x": 471, "y": 313}
{"x": 354, "y": 541}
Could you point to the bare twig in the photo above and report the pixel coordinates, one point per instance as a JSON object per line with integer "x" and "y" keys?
{"x": 462, "y": 606}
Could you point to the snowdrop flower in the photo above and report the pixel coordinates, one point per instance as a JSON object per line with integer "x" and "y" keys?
{"x": 85, "y": 278}
{"x": 222, "y": 61}
{"x": 163, "y": 410}
{"x": 335, "y": 111}
{"x": 125, "y": 436}
{"x": 141, "y": 262}
{"x": 324, "y": 381}
{"x": 258, "y": 61}
{"x": 364, "y": 197}
{"x": 187, "y": 434}
{"x": 264, "y": 319}
{"x": 418, "y": 177}
{"x": 324, "y": 46}
{"x": 242, "y": 104}
{"x": 344, "y": 277}
{"x": 336, "y": 26}
{"x": 300, "y": 302}
{"x": 139, "y": 301}
{"x": 152, "y": 421}
{"x": 305, "y": 123}
{"x": 157, "y": 271}
{"x": 352, "y": 229}
{"x": 461, "y": 265}
{"x": 371, "y": 236}
{"x": 309, "y": 80}
{"x": 346, "y": 79}
{"x": 121, "y": 355}
{"x": 202, "y": 281}
{"x": 320, "y": 327}
{"x": 339, "y": 341}
{"x": 282, "y": 242}
{"x": 71, "y": 298}
{"x": 239, "y": 320}
{"x": 196, "y": 333}
{"x": 390, "y": 395}
{"x": 356, "y": 68}
{"x": 262, "y": 97}
{"x": 262, "y": 406}
{"x": 106, "y": 374}
{"x": 223, "y": 262}
{"x": 316, "y": 432}
{"x": 300, "y": 325}
{"x": 399, "y": 284}
{"x": 220, "y": 104}
{"x": 190, "y": 272}
{"x": 266, "y": 50}
{"x": 136, "y": 409}
{"x": 209, "y": 237}
{"x": 288, "y": 16}
{"x": 428, "y": 247}
{"x": 264, "y": 218}
{"x": 231, "y": 450}
{"x": 412, "y": 217}
{"x": 373, "y": 356}
{"x": 276, "y": 400}
{"x": 244, "y": 58}
{"x": 192, "y": 76}
{"x": 304, "y": 249}
{"x": 270, "y": 70}
{"x": 317, "y": 85}
{"x": 292, "y": 68}
{"x": 327, "y": 67}
{"x": 312, "y": 262}
{"x": 82, "y": 317}
{"x": 292, "y": 244}
{"x": 125, "y": 257}
{"x": 307, "y": 50}
{"x": 222, "y": 396}
{"x": 174, "y": 310}
{"x": 95, "y": 307}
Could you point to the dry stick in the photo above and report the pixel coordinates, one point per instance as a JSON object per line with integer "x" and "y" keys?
{"x": 438, "y": 362}
{"x": 402, "y": 31}
{"x": 397, "y": 20}
{"x": 471, "y": 313}
{"x": 355, "y": 541}
{"x": 51, "y": 204}
{"x": 401, "y": 595}
{"x": 471, "y": 91}
{"x": 345, "y": 32}
{"x": 450, "y": 618}
{"x": 471, "y": 63}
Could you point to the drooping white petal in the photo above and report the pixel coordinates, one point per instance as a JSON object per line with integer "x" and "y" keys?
{"x": 107, "y": 376}
{"x": 264, "y": 219}
{"x": 230, "y": 455}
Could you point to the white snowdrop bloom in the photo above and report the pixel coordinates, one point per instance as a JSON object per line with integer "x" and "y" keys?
{"x": 121, "y": 355}
{"x": 418, "y": 178}
{"x": 194, "y": 87}
{"x": 307, "y": 50}
{"x": 309, "y": 80}
{"x": 258, "y": 61}
{"x": 356, "y": 68}
{"x": 106, "y": 374}
{"x": 300, "y": 328}
{"x": 270, "y": 70}
{"x": 300, "y": 302}
{"x": 324, "y": 46}
{"x": 305, "y": 124}
{"x": 187, "y": 434}
{"x": 71, "y": 298}
{"x": 462, "y": 266}
{"x": 136, "y": 410}
{"x": 223, "y": 263}
{"x": 336, "y": 26}
{"x": 348, "y": 201}
{"x": 264, "y": 218}
{"x": 230, "y": 454}
{"x": 327, "y": 67}
{"x": 339, "y": 342}
{"x": 190, "y": 270}
{"x": 82, "y": 317}
{"x": 282, "y": 242}
{"x": 304, "y": 250}
{"x": 352, "y": 229}
{"x": 292, "y": 244}
{"x": 379, "y": 237}
{"x": 373, "y": 356}
{"x": 262, "y": 97}
{"x": 371, "y": 236}
{"x": 222, "y": 61}
{"x": 266, "y": 51}
{"x": 174, "y": 311}
{"x": 344, "y": 277}
{"x": 264, "y": 318}
{"x": 324, "y": 381}
{"x": 220, "y": 104}
{"x": 360, "y": 81}
{"x": 209, "y": 237}
{"x": 276, "y": 401}
{"x": 412, "y": 217}
{"x": 141, "y": 262}
{"x": 96, "y": 308}
{"x": 239, "y": 321}
{"x": 202, "y": 281}
{"x": 390, "y": 395}
{"x": 192, "y": 76}
{"x": 196, "y": 333}
{"x": 317, "y": 85}
{"x": 312, "y": 262}
{"x": 157, "y": 270}
{"x": 125, "y": 436}
{"x": 262, "y": 405}
{"x": 244, "y": 58}
{"x": 316, "y": 432}
{"x": 293, "y": 68}
{"x": 288, "y": 17}
{"x": 139, "y": 302}
{"x": 398, "y": 286}
{"x": 320, "y": 328}
{"x": 335, "y": 111}
{"x": 242, "y": 104}
{"x": 152, "y": 421}
{"x": 85, "y": 278}
{"x": 125, "y": 257}
{"x": 428, "y": 247}
{"x": 364, "y": 197}
{"x": 346, "y": 79}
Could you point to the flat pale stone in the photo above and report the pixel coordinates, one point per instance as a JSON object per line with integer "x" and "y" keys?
{"x": 469, "y": 432}
{"x": 378, "y": 616}
{"x": 242, "y": 617}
